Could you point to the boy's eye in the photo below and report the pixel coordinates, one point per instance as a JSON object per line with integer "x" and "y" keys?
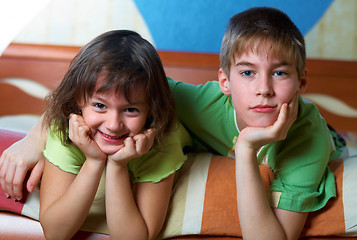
{"x": 247, "y": 73}
{"x": 100, "y": 105}
{"x": 280, "y": 73}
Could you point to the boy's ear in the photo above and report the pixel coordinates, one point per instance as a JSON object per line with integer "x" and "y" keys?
{"x": 303, "y": 81}
{"x": 223, "y": 82}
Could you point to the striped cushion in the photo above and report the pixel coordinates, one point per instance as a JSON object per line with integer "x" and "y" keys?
{"x": 204, "y": 198}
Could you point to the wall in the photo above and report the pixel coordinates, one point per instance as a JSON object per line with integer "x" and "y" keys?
{"x": 329, "y": 26}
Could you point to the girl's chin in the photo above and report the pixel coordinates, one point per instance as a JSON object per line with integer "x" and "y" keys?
{"x": 110, "y": 150}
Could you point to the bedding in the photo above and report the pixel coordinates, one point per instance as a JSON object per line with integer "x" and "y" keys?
{"x": 204, "y": 197}
{"x": 203, "y": 202}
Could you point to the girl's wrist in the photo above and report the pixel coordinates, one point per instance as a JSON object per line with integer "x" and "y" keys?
{"x": 117, "y": 163}
{"x": 95, "y": 162}
{"x": 116, "y": 166}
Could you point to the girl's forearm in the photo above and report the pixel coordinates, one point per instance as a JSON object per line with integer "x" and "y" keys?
{"x": 71, "y": 209}
{"x": 256, "y": 217}
{"x": 123, "y": 217}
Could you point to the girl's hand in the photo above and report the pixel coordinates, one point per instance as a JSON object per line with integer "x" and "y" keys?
{"x": 256, "y": 137}
{"x": 79, "y": 133}
{"x": 134, "y": 147}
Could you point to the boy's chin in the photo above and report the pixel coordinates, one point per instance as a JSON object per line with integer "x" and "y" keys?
{"x": 262, "y": 124}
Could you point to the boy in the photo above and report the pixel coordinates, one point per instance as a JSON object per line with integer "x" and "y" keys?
{"x": 262, "y": 118}
{"x": 255, "y": 113}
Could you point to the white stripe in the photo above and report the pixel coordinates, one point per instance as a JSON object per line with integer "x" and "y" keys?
{"x": 349, "y": 193}
{"x": 196, "y": 193}
{"x": 32, "y": 206}
{"x": 332, "y": 104}
{"x": 30, "y": 87}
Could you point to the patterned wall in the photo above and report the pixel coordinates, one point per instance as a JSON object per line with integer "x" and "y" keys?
{"x": 329, "y": 25}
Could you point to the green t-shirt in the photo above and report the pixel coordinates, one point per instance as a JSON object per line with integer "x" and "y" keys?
{"x": 302, "y": 182}
{"x": 157, "y": 164}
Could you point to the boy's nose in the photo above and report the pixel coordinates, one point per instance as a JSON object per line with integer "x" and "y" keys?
{"x": 264, "y": 87}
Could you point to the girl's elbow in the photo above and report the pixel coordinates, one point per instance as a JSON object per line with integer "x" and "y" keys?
{"x": 50, "y": 231}
{"x": 133, "y": 235}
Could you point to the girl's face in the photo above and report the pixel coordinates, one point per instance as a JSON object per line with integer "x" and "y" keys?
{"x": 259, "y": 85}
{"x": 111, "y": 118}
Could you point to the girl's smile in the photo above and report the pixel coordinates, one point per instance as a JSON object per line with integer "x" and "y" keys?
{"x": 112, "y": 118}
{"x": 113, "y": 139}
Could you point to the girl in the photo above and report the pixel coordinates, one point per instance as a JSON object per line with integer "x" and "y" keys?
{"x": 113, "y": 145}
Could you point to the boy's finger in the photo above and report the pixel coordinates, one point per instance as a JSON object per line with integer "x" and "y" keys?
{"x": 9, "y": 181}
{"x": 35, "y": 175}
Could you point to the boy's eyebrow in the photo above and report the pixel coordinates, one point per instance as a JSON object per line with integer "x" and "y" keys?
{"x": 244, "y": 63}
{"x": 276, "y": 64}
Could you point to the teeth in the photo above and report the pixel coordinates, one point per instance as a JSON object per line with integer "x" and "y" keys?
{"x": 105, "y": 135}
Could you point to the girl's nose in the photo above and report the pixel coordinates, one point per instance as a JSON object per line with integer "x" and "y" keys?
{"x": 114, "y": 122}
{"x": 265, "y": 87}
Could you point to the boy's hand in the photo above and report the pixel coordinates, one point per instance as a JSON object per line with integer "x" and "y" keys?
{"x": 79, "y": 133}
{"x": 256, "y": 137}
{"x": 134, "y": 147}
{"x": 20, "y": 158}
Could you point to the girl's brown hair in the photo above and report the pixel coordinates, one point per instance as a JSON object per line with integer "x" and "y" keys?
{"x": 127, "y": 62}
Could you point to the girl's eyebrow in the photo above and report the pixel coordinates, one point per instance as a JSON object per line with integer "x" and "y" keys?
{"x": 103, "y": 99}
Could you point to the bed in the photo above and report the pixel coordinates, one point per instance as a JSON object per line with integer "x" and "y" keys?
{"x": 203, "y": 200}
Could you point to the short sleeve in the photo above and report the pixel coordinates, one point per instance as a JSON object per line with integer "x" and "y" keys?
{"x": 303, "y": 182}
{"x": 68, "y": 158}
{"x": 201, "y": 108}
{"x": 161, "y": 161}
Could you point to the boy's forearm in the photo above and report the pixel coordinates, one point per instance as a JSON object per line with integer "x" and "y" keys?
{"x": 38, "y": 134}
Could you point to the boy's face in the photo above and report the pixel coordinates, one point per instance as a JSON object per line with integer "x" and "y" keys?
{"x": 259, "y": 85}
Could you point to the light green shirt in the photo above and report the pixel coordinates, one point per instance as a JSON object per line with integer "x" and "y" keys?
{"x": 157, "y": 164}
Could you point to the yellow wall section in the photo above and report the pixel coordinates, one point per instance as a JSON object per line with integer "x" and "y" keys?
{"x": 335, "y": 35}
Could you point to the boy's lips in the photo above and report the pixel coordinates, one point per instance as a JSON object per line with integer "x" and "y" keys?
{"x": 263, "y": 108}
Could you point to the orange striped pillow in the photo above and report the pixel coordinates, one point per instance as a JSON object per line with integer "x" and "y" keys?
{"x": 204, "y": 198}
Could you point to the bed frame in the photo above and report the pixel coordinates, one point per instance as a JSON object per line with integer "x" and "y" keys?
{"x": 332, "y": 85}
{"x": 46, "y": 64}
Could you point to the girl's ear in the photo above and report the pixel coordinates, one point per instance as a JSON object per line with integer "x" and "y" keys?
{"x": 303, "y": 81}
{"x": 224, "y": 82}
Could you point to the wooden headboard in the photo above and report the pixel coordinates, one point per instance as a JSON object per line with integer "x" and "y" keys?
{"x": 46, "y": 65}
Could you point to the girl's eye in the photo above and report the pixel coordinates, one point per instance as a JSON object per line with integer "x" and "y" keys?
{"x": 131, "y": 110}
{"x": 247, "y": 73}
{"x": 100, "y": 105}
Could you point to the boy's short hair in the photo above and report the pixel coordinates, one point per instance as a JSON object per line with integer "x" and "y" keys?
{"x": 248, "y": 29}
